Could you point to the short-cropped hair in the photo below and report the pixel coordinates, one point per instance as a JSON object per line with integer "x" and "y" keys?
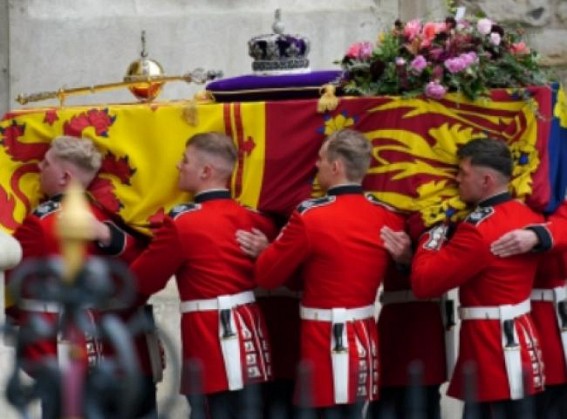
{"x": 81, "y": 152}
{"x": 488, "y": 152}
{"x": 216, "y": 144}
{"x": 353, "y": 148}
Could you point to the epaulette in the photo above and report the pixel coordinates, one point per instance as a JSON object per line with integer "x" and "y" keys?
{"x": 479, "y": 215}
{"x": 372, "y": 199}
{"x": 183, "y": 208}
{"x": 46, "y": 208}
{"x": 314, "y": 203}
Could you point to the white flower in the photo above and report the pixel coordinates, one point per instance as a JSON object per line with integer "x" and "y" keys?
{"x": 484, "y": 26}
{"x": 495, "y": 38}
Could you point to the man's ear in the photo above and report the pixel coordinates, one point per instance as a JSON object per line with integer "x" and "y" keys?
{"x": 491, "y": 179}
{"x": 206, "y": 171}
{"x": 336, "y": 165}
{"x": 65, "y": 179}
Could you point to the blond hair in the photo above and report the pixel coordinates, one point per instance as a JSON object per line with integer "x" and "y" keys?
{"x": 219, "y": 146}
{"x": 353, "y": 149}
{"x": 80, "y": 153}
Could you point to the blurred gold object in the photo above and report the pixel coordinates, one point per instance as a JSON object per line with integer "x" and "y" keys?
{"x": 75, "y": 228}
{"x": 143, "y": 72}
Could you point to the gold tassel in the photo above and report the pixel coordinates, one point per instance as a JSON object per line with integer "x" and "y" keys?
{"x": 328, "y": 101}
{"x": 190, "y": 111}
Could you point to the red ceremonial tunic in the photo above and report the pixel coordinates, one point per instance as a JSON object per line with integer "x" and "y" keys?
{"x": 485, "y": 280}
{"x": 334, "y": 245}
{"x": 197, "y": 244}
{"x": 410, "y": 332}
{"x": 551, "y": 273}
{"x": 38, "y": 238}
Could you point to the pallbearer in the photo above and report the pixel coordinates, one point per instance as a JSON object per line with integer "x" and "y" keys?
{"x": 226, "y": 354}
{"x": 498, "y": 340}
{"x": 334, "y": 245}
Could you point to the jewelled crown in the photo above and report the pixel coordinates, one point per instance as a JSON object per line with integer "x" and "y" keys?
{"x": 278, "y": 52}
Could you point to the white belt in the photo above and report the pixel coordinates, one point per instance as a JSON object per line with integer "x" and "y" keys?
{"x": 553, "y": 294}
{"x": 338, "y": 339}
{"x": 39, "y": 306}
{"x": 339, "y": 346}
{"x": 228, "y": 301}
{"x": 503, "y": 312}
{"x": 277, "y": 292}
{"x": 230, "y": 345}
{"x": 512, "y": 353}
{"x": 403, "y": 296}
{"x": 326, "y": 315}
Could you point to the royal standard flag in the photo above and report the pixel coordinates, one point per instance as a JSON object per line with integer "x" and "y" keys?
{"x": 414, "y": 150}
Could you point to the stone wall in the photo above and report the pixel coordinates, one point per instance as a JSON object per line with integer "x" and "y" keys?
{"x": 4, "y": 63}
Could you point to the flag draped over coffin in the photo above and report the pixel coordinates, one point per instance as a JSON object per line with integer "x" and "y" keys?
{"x": 557, "y": 147}
{"x": 414, "y": 146}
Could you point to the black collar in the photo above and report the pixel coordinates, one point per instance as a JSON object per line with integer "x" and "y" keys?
{"x": 59, "y": 197}
{"x": 495, "y": 200}
{"x": 211, "y": 195}
{"x": 345, "y": 189}
{"x": 56, "y": 198}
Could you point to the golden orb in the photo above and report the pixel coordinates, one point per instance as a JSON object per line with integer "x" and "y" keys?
{"x": 144, "y": 70}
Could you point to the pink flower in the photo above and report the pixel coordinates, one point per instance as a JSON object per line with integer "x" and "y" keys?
{"x": 366, "y": 49}
{"x": 469, "y": 58}
{"x": 460, "y": 63}
{"x": 430, "y": 30}
{"x": 412, "y": 29}
{"x": 435, "y": 90}
{"x": 484, "y": 26}
{"x": 519, "y": 48}
{"x": 495, "y": 38}
{"x": 418, "y": 64}
{"x": 353, "y": 50}
{"x": 400, "y": 61}
{"x": 455, "y": 65}
{"x": 360, "y": 50}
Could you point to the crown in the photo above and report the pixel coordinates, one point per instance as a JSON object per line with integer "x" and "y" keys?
{"x": 278, "y": 52}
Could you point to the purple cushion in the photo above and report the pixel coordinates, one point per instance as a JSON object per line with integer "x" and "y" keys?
{"x": 280, "y": 87}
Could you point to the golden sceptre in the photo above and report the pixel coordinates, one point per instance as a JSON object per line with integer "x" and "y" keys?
{"x": 198, "y": 76}
{"x": 144, "y": 77}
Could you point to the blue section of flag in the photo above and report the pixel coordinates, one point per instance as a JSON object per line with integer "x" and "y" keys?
{"x": 557, "y": 146}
